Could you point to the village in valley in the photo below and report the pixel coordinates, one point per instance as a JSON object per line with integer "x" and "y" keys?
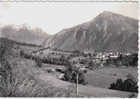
{"x": 57, "y": 63}
{"x": 98, "y": 58}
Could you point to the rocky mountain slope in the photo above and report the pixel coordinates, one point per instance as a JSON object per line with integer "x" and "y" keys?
{"x": 23, "y": 34}
{"x": 106, "y": 32}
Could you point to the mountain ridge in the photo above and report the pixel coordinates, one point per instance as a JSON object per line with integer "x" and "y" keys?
{"x": 23, "y": 34}
{"x": 98, "y": 33}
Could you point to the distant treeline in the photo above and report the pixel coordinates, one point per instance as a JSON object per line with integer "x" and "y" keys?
{"x": 49, "y": 60}
{"x": 18, "y": 43}
{"x": 126, "y": 60}
{"x": 27, "y": 44}
{"x": 58, "y": 50}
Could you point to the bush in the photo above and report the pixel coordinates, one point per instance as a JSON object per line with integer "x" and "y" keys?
{"x": 126, "y": 85}
{"x": 38, "y": 62}
{"x": 91, "y": 65}
{"x": 71, "y": 75}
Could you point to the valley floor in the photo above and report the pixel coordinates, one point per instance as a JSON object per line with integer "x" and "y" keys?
{"x": 84, "y": 90}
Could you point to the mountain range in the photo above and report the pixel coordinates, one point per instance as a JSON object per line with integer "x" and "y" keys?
{"x": 23, "y": 34}
{"x": 106, "y": 32}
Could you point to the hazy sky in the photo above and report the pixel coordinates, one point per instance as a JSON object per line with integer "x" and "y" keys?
{"x": 53, "y": 17}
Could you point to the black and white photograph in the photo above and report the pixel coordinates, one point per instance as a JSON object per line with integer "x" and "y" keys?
{"x": 69, "y": 49}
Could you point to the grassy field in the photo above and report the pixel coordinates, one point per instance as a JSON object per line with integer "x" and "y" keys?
{"x": 35, "y": 81}
{"x": 29, "y": 80}
{"x": 84, "y": 91}
{"x": 103, "y": 77}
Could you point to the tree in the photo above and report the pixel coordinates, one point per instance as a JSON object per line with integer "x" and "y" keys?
{"x": 126, "y": 85}
{"x": 71, "y": 73}
{"x": 38, "y": 62}
{"x": 91, "y": 65}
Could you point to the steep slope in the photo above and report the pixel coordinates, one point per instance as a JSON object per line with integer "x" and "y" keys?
{"x": 108, "y": 31}
{"x": 18, "y": 76}
{"x": 23, "y": 34}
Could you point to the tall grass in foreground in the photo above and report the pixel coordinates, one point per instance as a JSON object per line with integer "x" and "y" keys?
{"x": 17, "y": 76}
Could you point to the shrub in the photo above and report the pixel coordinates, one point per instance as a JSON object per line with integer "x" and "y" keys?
{"x": 126, "y": 85}
{"x": 21, "y": 53}
{"x": 71, "y": 75}
{"x": 38, "y": 62}
{"x": 91, "y": 65}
